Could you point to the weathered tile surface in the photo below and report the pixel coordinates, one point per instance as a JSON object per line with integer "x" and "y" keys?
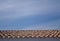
{"x": 29, "y": 33}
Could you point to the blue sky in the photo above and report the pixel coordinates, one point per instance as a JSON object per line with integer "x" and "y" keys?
{"x": 29, "y": 14}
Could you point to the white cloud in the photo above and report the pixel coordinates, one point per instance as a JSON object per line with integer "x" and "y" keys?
{"x": 19, "y": 9}
{"x": 5, "y": 6}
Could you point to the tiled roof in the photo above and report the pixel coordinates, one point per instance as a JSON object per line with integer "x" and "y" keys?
{"x": 29, "y": 33}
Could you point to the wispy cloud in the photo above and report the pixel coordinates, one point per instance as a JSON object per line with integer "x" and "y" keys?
{"x": 18, "y": 8}
{"x": 28, "y": 13}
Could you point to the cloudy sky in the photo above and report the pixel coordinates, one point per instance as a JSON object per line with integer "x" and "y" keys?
{"x": 29, "y": 14}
